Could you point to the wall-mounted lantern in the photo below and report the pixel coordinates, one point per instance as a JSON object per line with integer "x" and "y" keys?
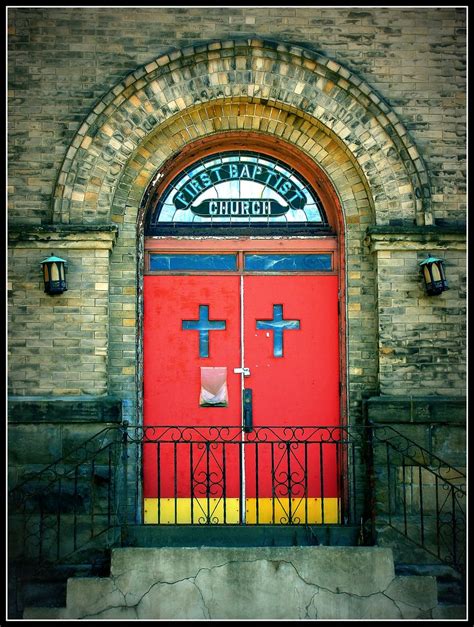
{"x": 54, "y": 275}
{"x": 434, "y": 275}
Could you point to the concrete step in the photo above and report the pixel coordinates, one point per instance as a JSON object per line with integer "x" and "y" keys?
{"x": 450, "y": 582}
{"x": 264, "y": 582}
{"x": 47, "y": 588}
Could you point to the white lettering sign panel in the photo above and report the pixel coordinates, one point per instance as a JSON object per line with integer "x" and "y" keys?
{"x": 237, "y": 188}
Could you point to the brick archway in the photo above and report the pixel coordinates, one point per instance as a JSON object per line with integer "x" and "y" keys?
{"x": 239, "y": 85}
{"x": 281, "y": 92}
{"x": 279, "y": 126}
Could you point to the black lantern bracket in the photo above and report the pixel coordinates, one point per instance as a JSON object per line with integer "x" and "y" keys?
{"x": 434, "y": 275}
{"x": 54, "y": 275}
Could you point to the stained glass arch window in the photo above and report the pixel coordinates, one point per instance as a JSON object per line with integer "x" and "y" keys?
{"x": 237, "y": 191}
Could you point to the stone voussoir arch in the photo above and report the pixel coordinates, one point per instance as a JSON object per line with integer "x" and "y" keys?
{"x": 189, "y": 129}
{"x": 286, "y": 77}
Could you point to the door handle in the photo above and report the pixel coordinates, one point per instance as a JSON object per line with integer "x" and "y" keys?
{"x": 247, "y": 403}
{"x": 244, "y": 371}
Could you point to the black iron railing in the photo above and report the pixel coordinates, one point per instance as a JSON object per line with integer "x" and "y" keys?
{"x": 270, "y": 475}
{"x": 419, "y": 495}
{"x": 373, "y": 477}
{"x": 68, "y": 505}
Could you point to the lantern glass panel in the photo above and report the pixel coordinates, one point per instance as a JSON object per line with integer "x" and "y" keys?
{"x": 436, "y": 273}
{"x": 46, "y": 272}
{"x": 427, "y": 274}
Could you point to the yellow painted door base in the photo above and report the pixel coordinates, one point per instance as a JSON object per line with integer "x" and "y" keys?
{"x": 187, "y": 511}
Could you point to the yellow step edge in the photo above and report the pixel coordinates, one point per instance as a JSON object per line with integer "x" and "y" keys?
{"x": 262, "y": 511}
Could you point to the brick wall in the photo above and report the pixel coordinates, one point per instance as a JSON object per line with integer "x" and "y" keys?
{"x": 62, "y": 62}
{"x": 85, "y": 129}
{"x": 101, "y": 98}
{"x": 58, "y": 344}
{"x": 422, "y": 339}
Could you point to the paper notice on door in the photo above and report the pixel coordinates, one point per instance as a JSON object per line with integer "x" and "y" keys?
{"x": 213, "y": 387}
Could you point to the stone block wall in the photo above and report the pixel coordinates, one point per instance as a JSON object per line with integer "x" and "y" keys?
{"x": 420, "y": 477}
{"x": 43, "y": 430}
{"x": 435, "y": 423}
{"x": 63, "y": 60}
{"x": 64, "y": 472}
{"x": 421, "y": 338}
{"x": 58, "y": 344}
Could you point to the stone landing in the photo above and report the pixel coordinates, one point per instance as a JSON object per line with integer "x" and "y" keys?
{"x": 312, "y": 582}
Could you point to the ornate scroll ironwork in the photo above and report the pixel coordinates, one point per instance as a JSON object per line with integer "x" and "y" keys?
{"x": 68, "y": 505}
{"x": 287, "y": 468}
{"x": 382, "y": 476}
{"x": 420, "y": 496}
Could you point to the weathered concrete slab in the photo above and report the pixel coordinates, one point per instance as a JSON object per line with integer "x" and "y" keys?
{"x": 249, "y": 583}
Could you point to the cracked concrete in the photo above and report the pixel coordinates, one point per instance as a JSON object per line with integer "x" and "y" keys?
{"x": 249, "y": 583}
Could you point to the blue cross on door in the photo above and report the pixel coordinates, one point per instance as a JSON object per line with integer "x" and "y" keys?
{"x": 203, "y": 325}
{"x": 278, "y": 325}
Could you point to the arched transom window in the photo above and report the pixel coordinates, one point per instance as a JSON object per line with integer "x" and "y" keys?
{"x": 236, "y": 189}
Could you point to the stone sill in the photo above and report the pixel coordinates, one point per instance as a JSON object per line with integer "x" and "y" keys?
{"x": 63, "y": 236}
{"x": 64, "y": 409}
{"x": 417, "y": 410}
{"x": 415, "y": 238}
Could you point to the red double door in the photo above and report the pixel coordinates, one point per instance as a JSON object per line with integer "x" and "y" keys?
{"x": 241, "y": 379}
